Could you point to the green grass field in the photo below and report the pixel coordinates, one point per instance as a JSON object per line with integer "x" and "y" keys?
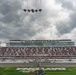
{"x": 13, "y": 71}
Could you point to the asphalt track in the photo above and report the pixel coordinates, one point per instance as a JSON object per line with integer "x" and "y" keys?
{"x": 36, "y": 64}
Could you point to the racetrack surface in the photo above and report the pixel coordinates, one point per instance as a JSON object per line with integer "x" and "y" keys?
{"x": 37, "y": 64}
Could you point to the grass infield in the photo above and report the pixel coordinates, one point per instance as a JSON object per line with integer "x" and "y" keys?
{"x": 13, "y": 71}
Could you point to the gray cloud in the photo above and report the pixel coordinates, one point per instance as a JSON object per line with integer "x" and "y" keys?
{"x": 66, "y": 4}
{"x": 73, "y": 20}
{"x": 64, "y": 27}
{"x": 56, "y": 20}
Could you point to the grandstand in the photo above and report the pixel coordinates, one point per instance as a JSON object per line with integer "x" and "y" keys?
{"x": 40, "y": 43}
{"x": 38, "y": 52}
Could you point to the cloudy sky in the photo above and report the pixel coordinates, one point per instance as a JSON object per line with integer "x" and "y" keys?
{"x": 56, "y": 21}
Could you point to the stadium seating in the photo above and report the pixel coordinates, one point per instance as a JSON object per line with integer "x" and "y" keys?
{"x": 37, "y": 52}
